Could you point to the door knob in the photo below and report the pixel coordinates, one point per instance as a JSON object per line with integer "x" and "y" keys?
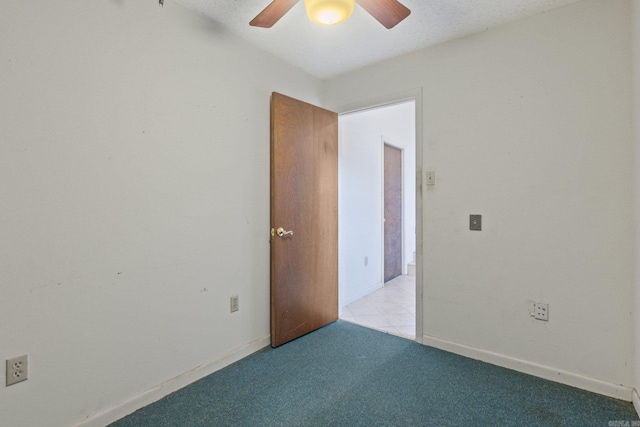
{"x": 282, "y": 232}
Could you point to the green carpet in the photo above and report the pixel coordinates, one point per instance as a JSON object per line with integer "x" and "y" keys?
{"x": 347, "y": 375}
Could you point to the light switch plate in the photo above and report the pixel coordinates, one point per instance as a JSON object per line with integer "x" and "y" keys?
{"x": 431, "y": 178}
{"x": 475, "y": 222}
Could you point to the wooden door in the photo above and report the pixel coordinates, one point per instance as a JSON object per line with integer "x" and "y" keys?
{"x": 392, "y": 212}
{"x": 304, "y": 203}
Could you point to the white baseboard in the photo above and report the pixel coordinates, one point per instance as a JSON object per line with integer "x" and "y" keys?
{"x": 590, "y": 384}
{"x": 362, "y": 293}
{"x": 635, "y": 398}
{"x": 158, "y": 392}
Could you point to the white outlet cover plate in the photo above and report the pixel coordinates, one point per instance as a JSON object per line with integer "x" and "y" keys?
{"x": 17, "y": 370}
{"x": 541, "y": 311}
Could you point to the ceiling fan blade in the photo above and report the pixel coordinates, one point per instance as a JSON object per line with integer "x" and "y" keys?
{"x": 388, "y": 12}
{"x": 272, "y": 13}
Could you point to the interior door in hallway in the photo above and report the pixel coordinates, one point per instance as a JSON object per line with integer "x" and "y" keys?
{"x": 392, "y": 212}
{"x": 304, "y": 217}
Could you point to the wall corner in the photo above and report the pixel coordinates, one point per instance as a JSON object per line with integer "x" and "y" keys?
{"x": 635, "y": 122}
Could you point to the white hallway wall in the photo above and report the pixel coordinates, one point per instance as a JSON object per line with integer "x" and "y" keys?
{"x": 361, "y": 198}
{"x": 636, "y": 123}
{"x": 529, "y": 125}
{"x": 134, "y": 180}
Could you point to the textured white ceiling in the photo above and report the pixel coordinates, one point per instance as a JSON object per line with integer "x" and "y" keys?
{"x": 329, "y": 51}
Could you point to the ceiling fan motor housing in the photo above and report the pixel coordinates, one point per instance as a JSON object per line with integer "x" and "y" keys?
{"x": 329, "y": 12}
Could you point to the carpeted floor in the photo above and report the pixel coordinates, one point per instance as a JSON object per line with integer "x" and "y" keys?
{"x": 347, "y": 375}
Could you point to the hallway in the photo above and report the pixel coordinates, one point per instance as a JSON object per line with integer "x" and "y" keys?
{"x": 391, "y": 308}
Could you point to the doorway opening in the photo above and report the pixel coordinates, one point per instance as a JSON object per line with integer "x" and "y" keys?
{"x": 378, "y": 221}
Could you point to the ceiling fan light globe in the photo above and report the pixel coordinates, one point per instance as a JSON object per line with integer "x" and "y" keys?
{"x": 329, "y": 12}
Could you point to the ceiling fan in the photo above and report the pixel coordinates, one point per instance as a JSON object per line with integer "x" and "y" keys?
{"x": 329, "y": 12}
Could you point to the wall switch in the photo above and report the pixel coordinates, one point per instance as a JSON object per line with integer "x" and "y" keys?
{"x": 17, "y": 370}
{"x": 431, "y": 178}
{"x": 235, "y": 305}
{"x": 366, "y": 261}
{"x": 475, "y": 222}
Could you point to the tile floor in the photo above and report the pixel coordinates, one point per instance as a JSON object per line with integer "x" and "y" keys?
{"x": 391, "y": 308}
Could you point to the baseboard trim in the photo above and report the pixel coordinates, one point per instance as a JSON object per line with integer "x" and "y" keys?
{"x": 590, "y": 384}
{"x": 158, "y": 392}
{"x": 635, "y": 398}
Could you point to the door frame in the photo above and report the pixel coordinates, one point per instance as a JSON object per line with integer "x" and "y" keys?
{"x": 414, "y": 95}
{"x": 403, "y": 268}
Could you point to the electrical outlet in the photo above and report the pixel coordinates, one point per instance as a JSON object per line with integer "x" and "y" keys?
{"x": 541, "y": 311}
{"x": 17, "y": 370}
{"x": 235, "y": 305}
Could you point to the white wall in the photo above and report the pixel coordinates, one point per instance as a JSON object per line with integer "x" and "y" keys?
{"x": 361, "y": 194}
{"x": 636, "y": 123}
{"x": 134, "y": 146}
{"x": 529, "y": 125}
{"x": 134, "y": 180}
